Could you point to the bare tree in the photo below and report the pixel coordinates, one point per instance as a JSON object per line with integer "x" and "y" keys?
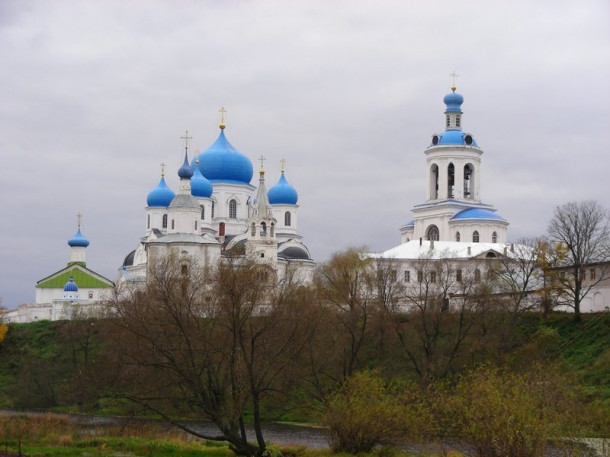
{"x": 582, "y": 229}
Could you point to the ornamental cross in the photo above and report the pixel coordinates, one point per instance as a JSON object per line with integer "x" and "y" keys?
{"x": 282, "y": 164}
{"x": 222, "y": 112}
{"x": 453, "y": 75}
{"x": 79, "y": 217}
{"x": 262, "y": 159}
{"x": 186, "y": 139}
{"x": 163, "y": 168}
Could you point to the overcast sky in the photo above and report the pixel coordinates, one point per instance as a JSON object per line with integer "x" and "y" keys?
{"x": 96, "y": 94}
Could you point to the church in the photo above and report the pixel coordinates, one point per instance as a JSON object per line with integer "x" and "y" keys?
{"x": 217, "y": 213}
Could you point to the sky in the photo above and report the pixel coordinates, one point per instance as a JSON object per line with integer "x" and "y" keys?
{"x": 94, "y": 96}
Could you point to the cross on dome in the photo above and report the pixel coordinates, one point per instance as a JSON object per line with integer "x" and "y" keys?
{"x": 262, "y": 159}
{"x": 454, "y": 76}
{"x": 79, "y": 218}
{"x": 282, "y": 165}
{"x": 186, "y": 139}
{"x": 163, "y": 165}
{"x": 222, "y": 112}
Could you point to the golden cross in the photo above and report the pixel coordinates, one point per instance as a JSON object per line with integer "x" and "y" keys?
{"x": 79, "y": 217}
{"x": 222, "y": 112}
{"x": 186, "y": 139}
{"x": 162, "y": 168}
{"x": 453, "y": 75}
{"x": 262, "y": 159}
{"x": 282, "y": 165}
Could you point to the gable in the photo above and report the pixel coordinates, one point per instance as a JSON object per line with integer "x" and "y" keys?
{"x": 83, "y": 277}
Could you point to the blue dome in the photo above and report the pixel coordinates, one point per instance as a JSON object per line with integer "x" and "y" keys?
{"x": 78, "y": 240}
{"x": 477, "y": 213}
{"x": 200, "y": 187}
{"x": 283, "y": 193}
{"x": 449, "y": 137}
{"x": 221, "y": 162}
{"x": 160, "y": 196}
{"x": 71, "y": 286}
{"x": 185, "y": 172}
{"x": 454, "y": 102}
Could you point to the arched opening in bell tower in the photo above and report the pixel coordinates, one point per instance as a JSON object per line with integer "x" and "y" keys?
{"x": 450, "y": 180}
{"x": 434, "y": 182}
{"x": 468, "y": 181}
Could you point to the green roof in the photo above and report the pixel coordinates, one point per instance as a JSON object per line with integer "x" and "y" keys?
{"x": 83, "y": 277}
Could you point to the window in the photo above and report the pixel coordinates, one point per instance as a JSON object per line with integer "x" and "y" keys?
{"x": 185, "y": 269}
{"x": 253, "y": 229}
{"x": 195, "y": 225}
{"x": 457, "y": 120}
{"x": 494, "y": 237}
{"x": 213, "y": 210}
{"x": 164, "y": 221}
{"x": 232, "y": 209}
{"x": 448, "y": 121}
{"x": 458, "y": 275}
{"x": 420, "y": 276}
{"x": 173, "y": 225}
{"x": 592, "y": 274}
{"x": 287, "y": 219}
{"x": 263, "y": 229}
{"x": 477, "y": 275}
{"x": 272, "y": 230}
{"x": 475, "y": 237}
{"x": 432, "y": 233}
{"x": 148, "y": 222}
{"x": 450, "y": 180}
{"x": 407, "y": 276}
{"x": 262, "y": 255}
{"x": 433, "y": 276}
{"x": 202, "y": 212}
{"x": 393, "y": 275}
{"x": 90, "y": 295}
{"x": 457, "y": 236}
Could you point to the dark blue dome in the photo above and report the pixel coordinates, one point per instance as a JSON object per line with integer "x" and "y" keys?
{"x": 454, "y": 102}
{"x": 200, "y": 187}
{"x": 160, "y": 196}
{"x": 221, "y": 162}
{"x": 185, "y": 172}
{"x": 477, "y": 213}
{"x": 71, "y": 286}
{"x": 283, "y": 193}
{"x": 78, "y": 240}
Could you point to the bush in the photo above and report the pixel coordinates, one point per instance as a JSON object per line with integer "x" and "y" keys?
{"x": 365, "y": 412}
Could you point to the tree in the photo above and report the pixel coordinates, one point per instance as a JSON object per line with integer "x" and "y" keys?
{"x": 583, "y": 229}
{"x": 366, "y": 412}
{"x": 208, "y": 344}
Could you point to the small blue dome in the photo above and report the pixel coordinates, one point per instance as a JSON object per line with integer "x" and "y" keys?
{"x": 477, "y": 213}
{"x": 185, "y": 172}
{"x": 283, "y": 193}
{"x": 200, "y": 187}
{"x": 160, "y": 196}
{"x": 221, "y": 162}
{"x": 78, "y": 240}
{"x": 454, "y": 102}
{"x": 71, "y": 286}
{"x": 449, "y": 137}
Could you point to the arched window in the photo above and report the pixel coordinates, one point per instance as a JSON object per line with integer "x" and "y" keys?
{"x": 477, "y": 275}
{"x": 434, "y": 182}
{"x": 164, "y": 221}
{"x": 494, "y": 237}
{"x": 450, "y": 180}
{"x": 213, "y": 210}
{"x": 202, "y": 212}
{"x": 458, "y": 237}
{"x": 148, "y": 222}
{"x": 287, "y": 218}
{"x": 468, "y": 180}
{"x": 272, "y": 229}
{"x": 195, "y": 225}
{"x": 432, "y": 233}
{"x": 263, "y": 229}
{"x": 173, "y": 225}
{"x": 232, "y": 209}
{"x": 475, "y": 237}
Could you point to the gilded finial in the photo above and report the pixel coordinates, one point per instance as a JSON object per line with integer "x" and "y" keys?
{"x": 222, "y": 111}
{"x": 163, "y": 169}
{"x": 262, "y": 159}
{"x": 282, "y": 165}
{"x": 79, "y": 217}
{"x": 453, "y": 75}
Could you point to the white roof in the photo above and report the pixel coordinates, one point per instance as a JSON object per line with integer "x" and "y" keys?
{"x": 412, "y": 250}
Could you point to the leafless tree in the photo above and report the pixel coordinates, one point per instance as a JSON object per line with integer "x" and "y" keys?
{"x": 581, "y": 232}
